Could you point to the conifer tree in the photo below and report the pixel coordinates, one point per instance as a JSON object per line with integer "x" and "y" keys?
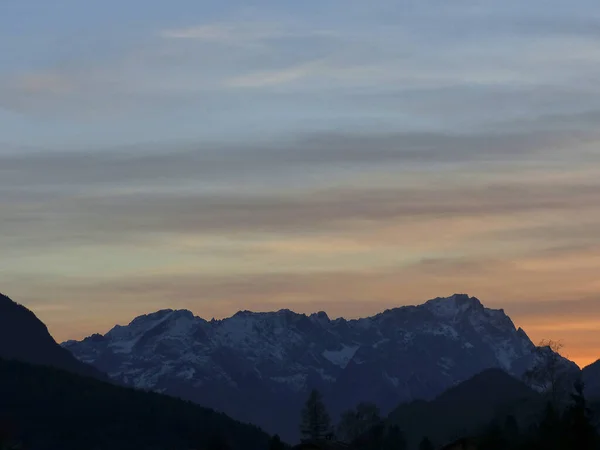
{"x": 315, "y": 421}
{"x": 580, "y": 433}
{"x": 550, "y": 429}
{"x": 356, "y": 422}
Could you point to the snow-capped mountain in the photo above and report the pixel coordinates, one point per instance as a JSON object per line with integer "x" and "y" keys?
{"x": 258, "y": 367}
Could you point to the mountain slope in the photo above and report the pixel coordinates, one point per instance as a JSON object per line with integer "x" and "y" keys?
{"x": 259, "y": 366}
{"x": 45, "y": 408}
{"x": 591, "y": 378}
{"x": 467, "y": 408}
{"x": 25, "y": 338}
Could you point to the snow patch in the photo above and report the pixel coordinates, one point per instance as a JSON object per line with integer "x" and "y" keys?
{"x": 325, "y": 376}
{"x": 446, "y": 363}
{"x": 187, "y": 374}
{"x": 443, "y": 330}
{"x": 341, "y": 357}
{"x": 393, "y": 380}
{"x": 124, "y": 347}
{"x": 383, "y": 341}
{"x": 297, "y": 381}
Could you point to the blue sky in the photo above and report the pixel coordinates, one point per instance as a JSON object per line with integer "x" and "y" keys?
{"x": 348, "y": 156}
{"x": 112, "y": 73}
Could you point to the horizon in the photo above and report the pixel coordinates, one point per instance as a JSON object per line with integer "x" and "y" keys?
{"x": 581, "y": 363}
{"x": 323, "y": 155}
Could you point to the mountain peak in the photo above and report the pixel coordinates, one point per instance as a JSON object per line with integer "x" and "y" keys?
{"x": 320, "y": 316}
{"x": 157, "y": 315}
{"x": 454, "y": 305}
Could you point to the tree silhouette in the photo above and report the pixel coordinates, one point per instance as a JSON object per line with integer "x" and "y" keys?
{"x": 580, "y": 433}
{"x": 315, "y": 421}
{"x": 493, "y": 439}
{"x": 511, "y": 429}
{"x": 426, "y": 444}
{"x": 7, "y": 436}
{"x": 550, "y": 429}
{"x": 275, "y": 443}
{"x": 356, "y": 422}
{"x": 218, "y": 441}
{"x": 546, "y": 374}
{"x": 394, "y": 439}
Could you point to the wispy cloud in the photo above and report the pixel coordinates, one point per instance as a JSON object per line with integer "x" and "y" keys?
{"x": 44, "y": 83}
{"x": 241, "y": 33}
{"x": 276, "y": 77}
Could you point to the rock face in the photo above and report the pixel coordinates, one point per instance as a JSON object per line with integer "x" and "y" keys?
{"x": 24, "y": 337}
{"x": 258, "y": 367}
{"x": 591, "y": 378}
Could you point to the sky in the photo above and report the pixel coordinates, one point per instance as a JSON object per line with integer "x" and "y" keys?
{"x": 345, "y": 156}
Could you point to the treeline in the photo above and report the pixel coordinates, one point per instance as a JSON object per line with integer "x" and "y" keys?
{"x": 570, "y": 426}
{"x": 557, "y": 429}
{"x": 566, "y": 421}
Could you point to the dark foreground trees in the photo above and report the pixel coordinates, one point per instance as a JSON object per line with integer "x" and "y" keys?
{"x": 315, "y": 422}
{"x": 426, "y": 444}
{"x": 49, "y": 409}
{"x": 356, "y": 422}
{"x": 556, "y": 429}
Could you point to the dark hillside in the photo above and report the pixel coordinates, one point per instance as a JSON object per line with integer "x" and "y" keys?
{"x": 25, "y": 338}
{"x": 467, "y": 408}
{"x": 47, "y": 409}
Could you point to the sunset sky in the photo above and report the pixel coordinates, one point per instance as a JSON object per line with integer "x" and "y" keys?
{"x": 347, "y": 156}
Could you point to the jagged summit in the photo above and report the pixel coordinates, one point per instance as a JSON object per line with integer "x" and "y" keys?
{"x": 320, "y": 317}
{"x": 271, "y": 358}
{"x": 454, "y": 304}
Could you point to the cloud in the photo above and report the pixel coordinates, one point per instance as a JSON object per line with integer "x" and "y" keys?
{"x": 242, "y": 33}
{"x": 210, "y": 32}
{"x": 275, "y": 77}
{"x": 199, "y": 65}
{"x": 497, "y": 282}
{"x": 324, "y": 183}
{"x": 457, "y": 152}
{"x": 262, "y": 159}
{"x": 44, "y": 83}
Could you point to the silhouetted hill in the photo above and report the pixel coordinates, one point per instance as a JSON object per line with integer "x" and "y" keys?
{"x": 25, "y": 338}
{"x": 591, "y": 378}
{"x": 48, "y": 409}
{"x": 467, "y": 408}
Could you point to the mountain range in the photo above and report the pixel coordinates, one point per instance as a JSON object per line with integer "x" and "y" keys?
{"x": 51, "y": 400}
{"x": 258, "y": 367}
